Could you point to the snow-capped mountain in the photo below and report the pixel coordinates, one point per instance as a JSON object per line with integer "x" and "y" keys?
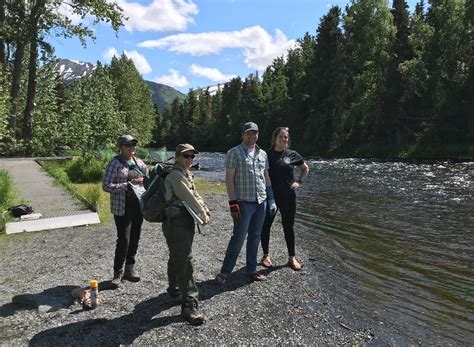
{"x": 70, "y": 70}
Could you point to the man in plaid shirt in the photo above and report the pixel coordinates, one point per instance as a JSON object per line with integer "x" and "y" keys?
{"x": 249, "y": 190}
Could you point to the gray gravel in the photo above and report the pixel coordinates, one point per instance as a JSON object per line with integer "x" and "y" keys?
{"x": 288, "y": 308}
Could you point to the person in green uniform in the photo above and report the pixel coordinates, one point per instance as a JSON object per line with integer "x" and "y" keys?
{"x": 178, "y": 229}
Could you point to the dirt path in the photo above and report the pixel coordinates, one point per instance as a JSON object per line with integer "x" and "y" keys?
{"x": 48, "y": 264}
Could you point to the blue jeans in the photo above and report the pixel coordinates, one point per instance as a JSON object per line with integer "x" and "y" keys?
{"x": 248, "y": 225}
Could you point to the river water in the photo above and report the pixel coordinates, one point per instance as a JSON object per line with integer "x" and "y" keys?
{"x": 392, "y": 242}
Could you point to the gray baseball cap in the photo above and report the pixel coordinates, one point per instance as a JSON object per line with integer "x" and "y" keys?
{"x": 126, "y": 139}
{"x": 250, "y": 126}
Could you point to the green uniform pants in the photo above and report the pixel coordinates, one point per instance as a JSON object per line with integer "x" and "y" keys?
{"x": 179, "y": 234}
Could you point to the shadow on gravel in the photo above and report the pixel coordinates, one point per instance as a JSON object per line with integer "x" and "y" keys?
{"x": 51, "y": 299}
{"x": 237, "y": 279}
{"x": 104, "y": 332}
{"x": 126, "y": 329}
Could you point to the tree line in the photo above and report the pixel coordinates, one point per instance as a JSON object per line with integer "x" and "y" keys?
{"x": 374, "y": 80}
{"x": 38, "y": 111}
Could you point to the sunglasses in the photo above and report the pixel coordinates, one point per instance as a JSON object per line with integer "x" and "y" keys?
{"x": 188, "y": 156}
{"x": 131, "y": 144}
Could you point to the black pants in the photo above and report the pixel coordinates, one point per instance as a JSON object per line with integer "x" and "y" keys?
{"x": 129, "y": 228}
{"x": 287, "y": 209}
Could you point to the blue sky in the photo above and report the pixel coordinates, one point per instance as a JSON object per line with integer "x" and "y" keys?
{"x": 191, "y": 43}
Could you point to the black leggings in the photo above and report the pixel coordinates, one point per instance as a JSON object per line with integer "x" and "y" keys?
{"x": 287, "y": 209}
{"x": 129, "y": 229}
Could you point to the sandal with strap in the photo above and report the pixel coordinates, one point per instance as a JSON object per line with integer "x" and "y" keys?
{"x": 294, "y": 264}
{"x": 266, "y": 261}
{"x": 256, "y": 276}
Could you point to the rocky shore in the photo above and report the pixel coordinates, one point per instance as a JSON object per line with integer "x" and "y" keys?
{"x": 39, "y": 270}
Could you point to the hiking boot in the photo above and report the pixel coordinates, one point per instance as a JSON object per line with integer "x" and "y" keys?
{"x": 174, "y": 300}
{"x": 191, "y": 314}
{"x": 117, "y": 278}
{"x": 221, "y": 279}
{"x": 130, "y": 274}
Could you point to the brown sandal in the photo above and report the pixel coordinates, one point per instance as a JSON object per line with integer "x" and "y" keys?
{"x": 266, "y": 261}
{"x": 294, "y": 264}
{"x": 256, "y": 276}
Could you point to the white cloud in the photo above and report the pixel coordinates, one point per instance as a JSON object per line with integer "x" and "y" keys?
{"x": 140, "y": 62}
{"x": 138, "y": 59}
{"x": 174, "y": 79}
{"x": 65, "y": 11}
{"x": 110, "y": 53}
{"x": 210, "y": 73}
{"x": 159, "y": 15}
{"x": 258, "y": 46}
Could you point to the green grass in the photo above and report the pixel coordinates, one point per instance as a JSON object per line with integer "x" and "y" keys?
{"x": 8, "y": 197}
{"x": 89, "y": 193}
{"x": 93, "y": 195}
{"x": 94, "y": 192}
{"x": 58, "y": 172}
{"x": 204, "y": 186}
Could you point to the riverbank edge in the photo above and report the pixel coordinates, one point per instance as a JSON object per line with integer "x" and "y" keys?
{"x": 290, "y": 307}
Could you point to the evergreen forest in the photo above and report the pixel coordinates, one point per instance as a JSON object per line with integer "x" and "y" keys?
{"x": 372, "y": 79}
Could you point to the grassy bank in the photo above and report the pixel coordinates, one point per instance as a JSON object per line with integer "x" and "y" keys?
{"x": 91, "y": 194}
{"x": 8, "y": 197}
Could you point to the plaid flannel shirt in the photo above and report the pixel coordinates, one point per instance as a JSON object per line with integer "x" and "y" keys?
{"x": 115, "y": 182}
{"x": 249, "y": 179}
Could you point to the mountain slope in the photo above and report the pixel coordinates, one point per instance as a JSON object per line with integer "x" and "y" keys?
{"x": 162, "y": 95}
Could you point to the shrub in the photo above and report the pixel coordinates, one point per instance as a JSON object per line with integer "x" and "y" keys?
{"x": 7, "y": 190}
{"x": 86, "y": 169}
{"x": 92, "y": 194}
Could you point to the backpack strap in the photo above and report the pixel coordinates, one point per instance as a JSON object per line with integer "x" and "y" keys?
{"x": 138, "y": 166}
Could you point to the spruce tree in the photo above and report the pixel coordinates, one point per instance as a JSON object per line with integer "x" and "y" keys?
{"x": 448, "y": 71}
{"x": 325, "y": 91}
{"x": 205, "y": 119}
{"x": 369, "y": 33}
{"x": 230, "y": 120}
{"x": 134, "y": 98}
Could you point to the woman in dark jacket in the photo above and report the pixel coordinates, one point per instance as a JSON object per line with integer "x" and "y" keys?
{"x": 282, "y": 161}
{"x": 122, "y": 171}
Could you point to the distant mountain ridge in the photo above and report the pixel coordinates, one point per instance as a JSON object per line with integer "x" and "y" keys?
{"x": 163, "y": 95}
{"x": 71, "y": 70}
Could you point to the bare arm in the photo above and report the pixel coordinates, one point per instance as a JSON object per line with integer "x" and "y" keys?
{"x": 268, "y": 182}
{"x": 304, "y": 170}
{"x": 229, "y": 182}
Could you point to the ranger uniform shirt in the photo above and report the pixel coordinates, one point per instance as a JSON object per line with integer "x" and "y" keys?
{"x": 180, "y": 185}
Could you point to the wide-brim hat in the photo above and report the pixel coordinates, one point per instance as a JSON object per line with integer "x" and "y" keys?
{"x": 185, "y": 147}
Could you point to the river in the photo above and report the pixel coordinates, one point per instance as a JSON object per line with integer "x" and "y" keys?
{"x": 392, "y": 242}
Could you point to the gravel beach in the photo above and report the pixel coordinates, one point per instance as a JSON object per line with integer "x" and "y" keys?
{"x": 39, "y": 270}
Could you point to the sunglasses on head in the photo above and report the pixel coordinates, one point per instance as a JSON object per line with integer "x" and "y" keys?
{"x": 188, "y": 156}
{"x": 130, "y": 144}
